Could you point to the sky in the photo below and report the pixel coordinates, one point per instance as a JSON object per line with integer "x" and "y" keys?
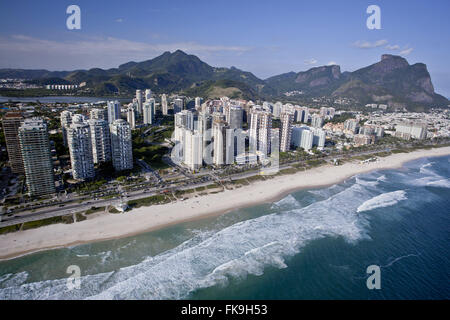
{"x": 264, "y": 37}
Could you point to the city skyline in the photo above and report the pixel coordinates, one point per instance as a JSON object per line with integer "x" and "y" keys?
{"x": 255, "y": 37}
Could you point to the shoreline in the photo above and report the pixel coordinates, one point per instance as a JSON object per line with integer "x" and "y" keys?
{"x": 146, "y": 219}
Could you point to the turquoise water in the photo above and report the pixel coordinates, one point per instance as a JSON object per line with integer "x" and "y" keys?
{"x": 312, "y": 244}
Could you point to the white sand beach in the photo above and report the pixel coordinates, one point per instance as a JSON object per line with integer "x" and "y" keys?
{"x": 110, "y": 226}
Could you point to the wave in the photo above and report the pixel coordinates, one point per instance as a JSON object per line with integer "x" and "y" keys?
{"x": 213, "y": 258}
{"x": 10, "y": 279}
{"x": 367, "y": 183}
{"x": 432, "y": 178}
{"x": 287, "y": 202}
{"x": 423, "y": 169}
{"x": 383, "y": 200}
{"x": 399, "y": 258}
{"x": 444, "y": 183}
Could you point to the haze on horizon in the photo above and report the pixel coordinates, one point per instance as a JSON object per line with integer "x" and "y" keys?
{"x": 262, "y": 37}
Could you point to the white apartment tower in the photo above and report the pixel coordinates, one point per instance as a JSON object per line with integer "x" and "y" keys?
{"x": 148, "y": 110}
{"x": 317, "y": 121}
{"x": 148, "y": 95}
{"x": 131, "y": 116}
{"x": 235, "y": 117}
{"x": 177, "y": 105}
{"x": 219, "y": 143}
{"x": 66, "y": 121}
{"x": 198, "y": 103}
{"x": 193, "y": 149}
{"x": 101, "y": 141}
{"x": 164, "y": 105}
{"x": 307, "y": 140}
{"x": 99, "y": 114}
{"x": 260, "y": 131}
{"x": 286, "y": 131}
{"x": 139, "y": 102}
{"x": 37, "y": 161}
{"x": 276, "y": 111}
{"x": 319, "y": 137}
{"x": 121, "y": 145}
{"x": 113, "y": 111}
{"x": 80, "y": 148}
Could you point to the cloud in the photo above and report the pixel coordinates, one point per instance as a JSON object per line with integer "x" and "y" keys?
{"x": 310, "y": 62}
{"x": 119, "y": 20}
{"x": 86, "y": 52}
{"x": 405, "y": 52}
{"x": 332, "y": 63}
{"x": 369, "y": 45}
{"x": 393, "y": 47}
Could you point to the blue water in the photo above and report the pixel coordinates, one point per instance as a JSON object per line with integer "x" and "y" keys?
{"x": 313, "y": 244}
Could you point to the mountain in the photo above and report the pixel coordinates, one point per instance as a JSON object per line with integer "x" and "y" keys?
{"x": 316, "y": 81}
{"x": 219, "y": 88}
{"x": 169, "y": 72}
{"x": 391, "y": 80}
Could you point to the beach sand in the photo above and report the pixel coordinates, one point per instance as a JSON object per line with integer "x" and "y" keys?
{"x": 111, "y": 226}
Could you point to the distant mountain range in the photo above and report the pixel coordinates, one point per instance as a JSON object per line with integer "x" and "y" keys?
{"x": 391, "y": 80}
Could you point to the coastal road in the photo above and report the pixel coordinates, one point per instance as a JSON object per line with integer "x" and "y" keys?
{"x": 80, "y": 207}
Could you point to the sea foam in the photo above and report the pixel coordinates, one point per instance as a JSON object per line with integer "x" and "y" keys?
{"x": 383, "y": 200}
{"x": 210, "y": 259}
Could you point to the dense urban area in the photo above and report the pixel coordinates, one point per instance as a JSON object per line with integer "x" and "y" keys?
{"x": 61, "y": 162}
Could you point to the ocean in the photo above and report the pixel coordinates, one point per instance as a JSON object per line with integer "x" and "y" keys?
{"x": 312, "y": 244}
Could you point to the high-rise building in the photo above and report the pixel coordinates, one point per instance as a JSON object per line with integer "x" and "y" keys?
{"x": 66, "y": 121}
{"x": 204, "y": 126}
{"x": 164, "y": 105}
{"x": 234, "y": 144}
{"x": 121, "y": 145}
{"x": 327, "y": 113}
{"x": 148, "y": 110}
{"x": 177, "y": 105}
{"x": 408, "y": 130}
{"x": 80, "y": 148}
{"x": 316, "y": 121}
{"x": 101, "y": 141}
{"x": 300, "y": 113}
{"x": 11, "y": 123}
{"x": 367, "y": 130}
{"x": 131, "y": 116}
{"x": 219, "y": 143}
{"x": 314, "y": 137}
{"x": 139, "y": 102}
{"x": 296, "y": 136}
{"x": 148, "y": 95}
{"x": 286, "y": 130}
{"x": 260, "y": 131}
{"x": 306, "y": 116}
{"x": 185, "y": 118}
{"x": 37, "y": 160}
{"x": 113, "y": 111}
{"x": 193, "y": 149}
{"x": 78, "y": 118}
{"x": 351, "y": 125}
{"x": 198, "y": 103}
{"x": 319, "y": 137}
{"x": 235, "y": 117}
{"x": 307, "y": 140}
{"x": 276, "y": 111}
{"x": 99, "y": 114}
